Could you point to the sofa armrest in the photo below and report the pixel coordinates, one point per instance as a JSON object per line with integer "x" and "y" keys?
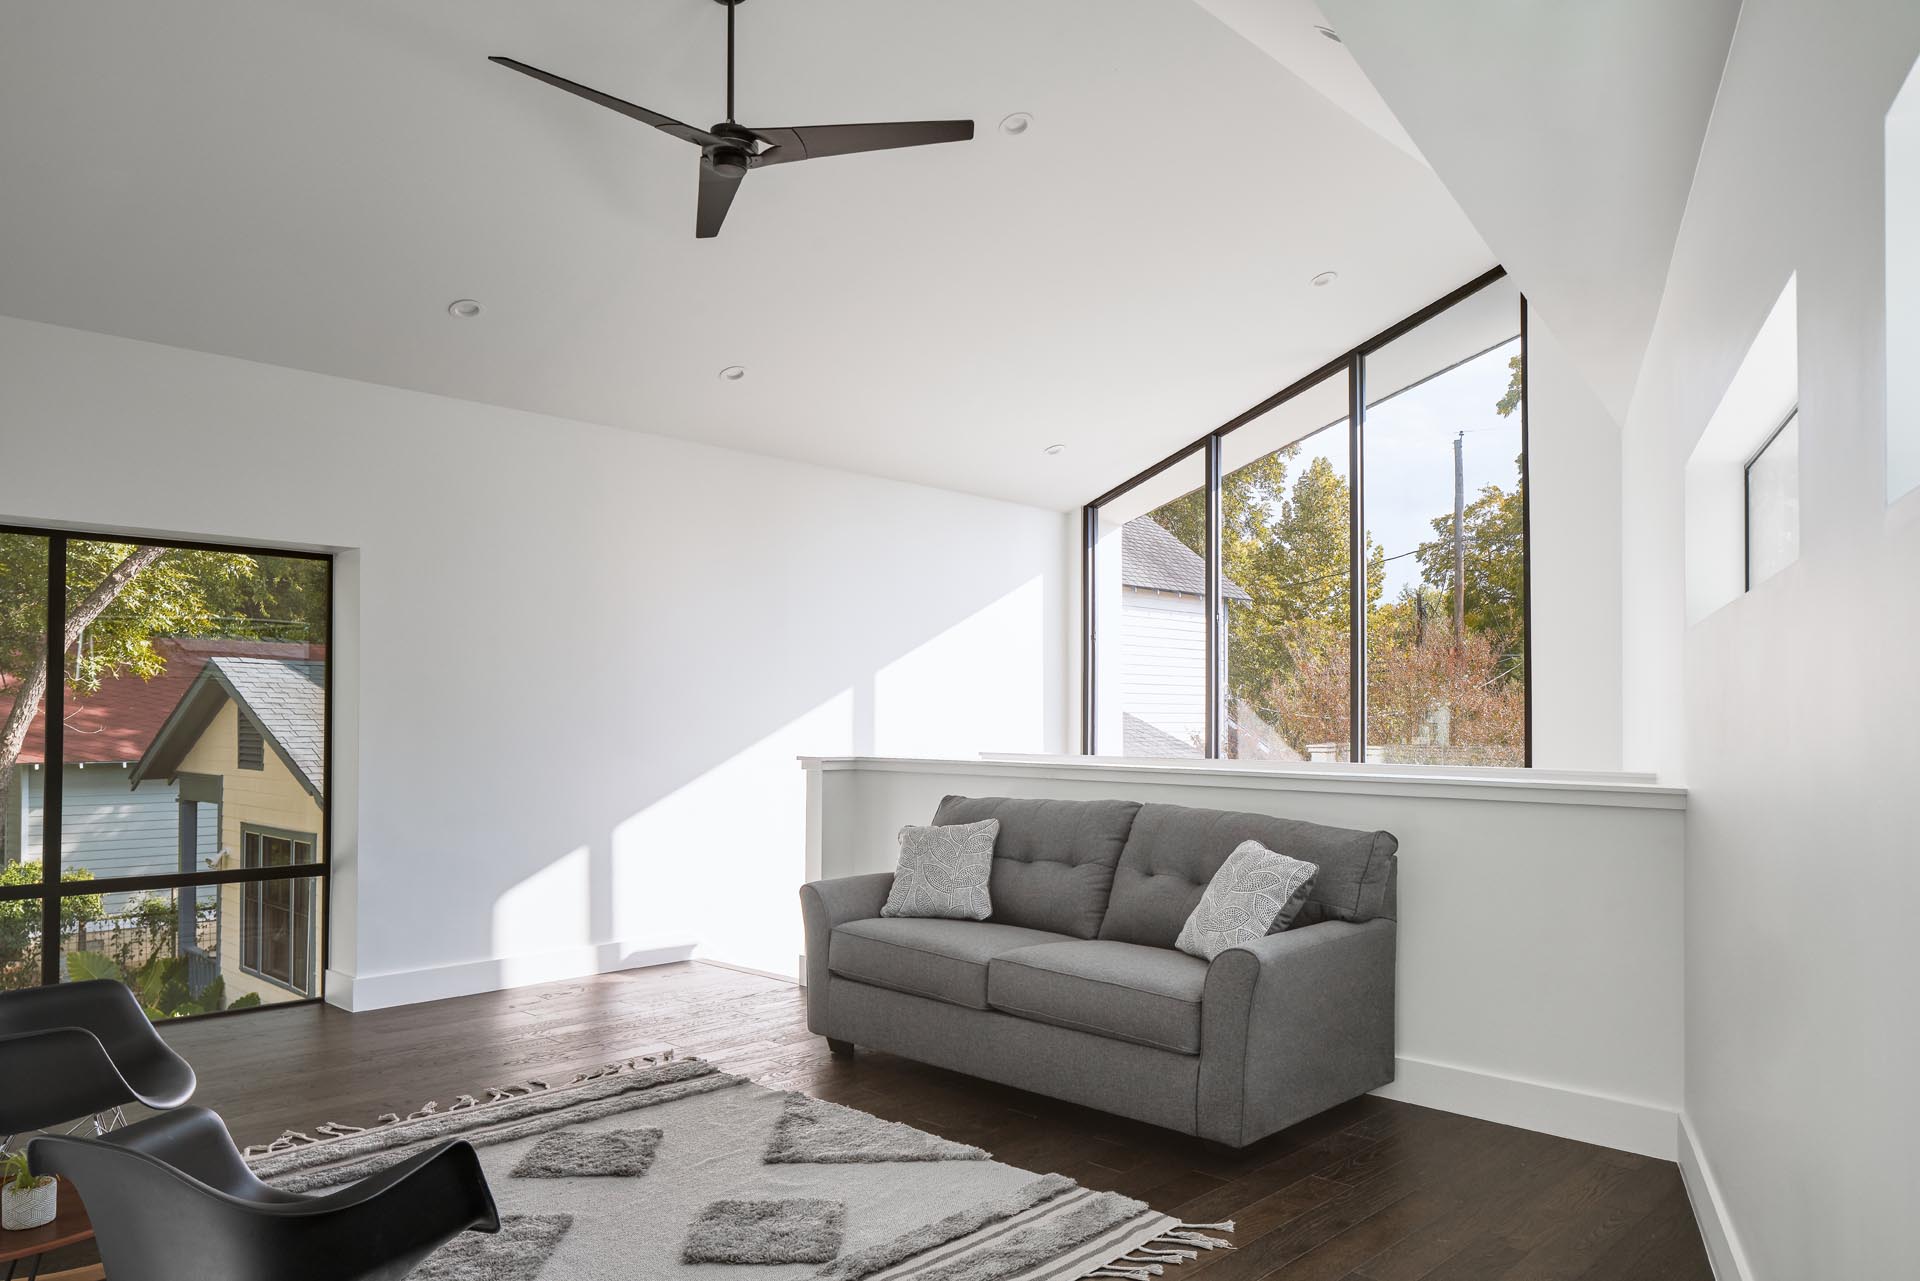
{"x": 1292, "y": 1024}
{"x": 823, "y": 905}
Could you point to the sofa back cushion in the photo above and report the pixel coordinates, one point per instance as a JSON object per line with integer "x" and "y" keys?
{"x": 1053, "y": 861}
{"x": 1173, "y": 851}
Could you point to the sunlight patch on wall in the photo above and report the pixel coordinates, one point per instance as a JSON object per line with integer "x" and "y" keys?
{"x": 978, "y": 686}
{"x": 546, "y": 911}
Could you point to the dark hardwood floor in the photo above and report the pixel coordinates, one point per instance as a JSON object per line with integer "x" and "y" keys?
{"x": 1371, "y": 1191}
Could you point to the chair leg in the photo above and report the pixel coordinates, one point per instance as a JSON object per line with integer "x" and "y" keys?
{"x": 840, "y": 1049}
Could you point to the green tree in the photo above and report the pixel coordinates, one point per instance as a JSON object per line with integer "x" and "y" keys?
{"x": 20, "y": 941}
{"x": 119, "y": 597}
{"x": 1496, "y": 561}
{"x": 1284, "y": 541}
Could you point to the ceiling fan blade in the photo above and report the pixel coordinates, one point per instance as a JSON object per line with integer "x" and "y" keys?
{"x": 716, "y": 197}
{"x": 814, "y": 141}
{"x": 665, "y": 124}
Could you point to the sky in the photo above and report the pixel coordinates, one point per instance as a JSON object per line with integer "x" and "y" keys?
{"x": 1410, "y": 455}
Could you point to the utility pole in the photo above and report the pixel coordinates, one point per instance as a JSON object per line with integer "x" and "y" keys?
{"x": 1459, "y": 540}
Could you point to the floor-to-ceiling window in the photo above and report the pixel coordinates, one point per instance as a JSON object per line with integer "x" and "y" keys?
{"x": 163, "y": 768}
{"x": 1351, "y": 555}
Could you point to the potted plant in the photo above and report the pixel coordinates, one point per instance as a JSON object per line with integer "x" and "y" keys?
{"x": 25, "y": 1201}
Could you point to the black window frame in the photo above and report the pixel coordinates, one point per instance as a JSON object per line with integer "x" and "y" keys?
{"x": 1353, "y": 365}
{"x": 49, "y": 891}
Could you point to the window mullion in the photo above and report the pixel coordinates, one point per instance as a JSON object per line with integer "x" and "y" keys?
{"x": 1215, "y": 632}
{"x": 53, "y": 705}
{"x": 1357, "y": 555}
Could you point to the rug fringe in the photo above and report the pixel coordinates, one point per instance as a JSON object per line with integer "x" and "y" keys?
{"x": 1181, "y": 1243}
{"x": 290, "y": 1139}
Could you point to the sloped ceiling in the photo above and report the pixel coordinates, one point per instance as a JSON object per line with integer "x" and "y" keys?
{"x": 1568, "y": 133}
{"x": 311, "y": 184}
{"x": 1294, "y": 34}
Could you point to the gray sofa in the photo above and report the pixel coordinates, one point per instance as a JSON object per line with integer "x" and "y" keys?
{"x": 1073, "y": 988}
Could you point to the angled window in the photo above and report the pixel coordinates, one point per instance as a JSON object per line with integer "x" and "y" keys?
{"x": 1773, "y": 503}
{"x": 1337, "y": 582}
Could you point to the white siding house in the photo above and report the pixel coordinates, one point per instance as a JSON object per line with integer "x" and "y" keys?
{"x": 1163, "y": 641}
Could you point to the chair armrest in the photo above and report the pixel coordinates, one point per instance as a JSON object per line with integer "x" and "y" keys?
{"x": 146, "y": 1197}
{"x": 823, "y": 905}
{"x": 1292, "y": 1024}
{"x": 72, "y": 1074}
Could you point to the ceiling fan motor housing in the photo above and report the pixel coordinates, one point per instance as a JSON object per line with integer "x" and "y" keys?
{"x": 729, "y": 162}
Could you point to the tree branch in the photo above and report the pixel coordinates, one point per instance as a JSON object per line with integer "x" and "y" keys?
{"x": 13, "y": 735}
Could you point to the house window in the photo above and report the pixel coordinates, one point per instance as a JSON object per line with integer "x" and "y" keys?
{"x": 276, "y": 916}
{"x": 1338, "y": 574}
{"x": 1773, "y": 503}
{"x": 139, "y": 841}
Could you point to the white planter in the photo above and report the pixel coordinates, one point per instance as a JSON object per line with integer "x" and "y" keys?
{"x": 30, "y": 1209}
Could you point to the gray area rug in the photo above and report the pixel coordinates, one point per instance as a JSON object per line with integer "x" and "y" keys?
{"x": 662, "y": 1167}
{"x": 814, "y": 1132}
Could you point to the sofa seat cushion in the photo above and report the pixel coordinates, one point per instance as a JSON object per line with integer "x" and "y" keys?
{"x": 942, "y": 959}
{"x": 1147, "y": 995}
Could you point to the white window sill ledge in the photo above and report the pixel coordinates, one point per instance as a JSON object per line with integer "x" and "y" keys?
{"x": 1541, "y": 787}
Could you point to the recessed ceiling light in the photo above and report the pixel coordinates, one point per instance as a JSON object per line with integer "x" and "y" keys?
{"x": 1016, "y": 124}
{"x": 1330, "y": 34}
{"x": 465, "y": 308}
{"x": 1054, "y": 449}
{"x": 733, "y": 373}
{"x": 1325, "y": 278}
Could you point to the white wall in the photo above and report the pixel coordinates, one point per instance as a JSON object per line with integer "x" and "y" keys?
{"x": 1903, "y": 290}
{"x": 1539, "y": 942}
{"x": 575, "y": 663}
{"x": 1574, "y": 513}
{"x": 1791, "y": 711}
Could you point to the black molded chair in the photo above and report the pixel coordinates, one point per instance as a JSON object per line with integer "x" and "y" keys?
{"x": 82, "y": 1049}
{"x": 171, "y": 1199}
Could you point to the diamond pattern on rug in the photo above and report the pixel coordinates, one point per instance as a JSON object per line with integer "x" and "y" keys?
{"x": 515, "y": 1253}
{"x": 810, "y": 1132}
{"x": 800, "y": 1230}
{"x": 570, "y": 1154}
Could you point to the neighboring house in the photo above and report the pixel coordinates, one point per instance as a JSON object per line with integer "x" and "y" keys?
{"x": 109, "y": 828}
{"x": 246, "y": 742}
{"x": 1163, "y": 651}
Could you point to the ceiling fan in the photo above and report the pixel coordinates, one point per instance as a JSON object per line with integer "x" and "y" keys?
{"x": 729, "y": 149}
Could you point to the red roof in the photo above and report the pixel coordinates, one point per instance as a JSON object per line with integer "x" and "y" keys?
{"x": 119, "y": 722}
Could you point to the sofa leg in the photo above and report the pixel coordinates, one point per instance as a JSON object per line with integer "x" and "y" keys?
{"x": 841, "y": 1049}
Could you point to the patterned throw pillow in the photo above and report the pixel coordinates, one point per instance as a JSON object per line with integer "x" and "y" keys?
{"x": 944, "y": 871}
{"x": 1255, "y": 893}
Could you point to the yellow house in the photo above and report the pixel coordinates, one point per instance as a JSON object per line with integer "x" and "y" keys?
{"x": 248, "y": 737}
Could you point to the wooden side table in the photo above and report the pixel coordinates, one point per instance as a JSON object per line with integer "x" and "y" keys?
{"x": 69, "y": 1227}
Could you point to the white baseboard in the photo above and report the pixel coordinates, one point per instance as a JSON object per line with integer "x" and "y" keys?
{"x": 1627, "y": 1124}
{"x": 407, "y": 987}
{"x": 1709, "y": 1210}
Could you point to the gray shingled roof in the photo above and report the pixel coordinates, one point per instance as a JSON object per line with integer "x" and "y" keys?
{"x": 287, "y": 699}
{"x": 1140, "y": 738}
{"x": 1154, "y": 560}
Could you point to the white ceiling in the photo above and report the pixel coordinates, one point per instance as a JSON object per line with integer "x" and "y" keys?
{"x": 1569, "y": 134}
{"x": 310, "y": 184}
{"x": 1294, "y": 32}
